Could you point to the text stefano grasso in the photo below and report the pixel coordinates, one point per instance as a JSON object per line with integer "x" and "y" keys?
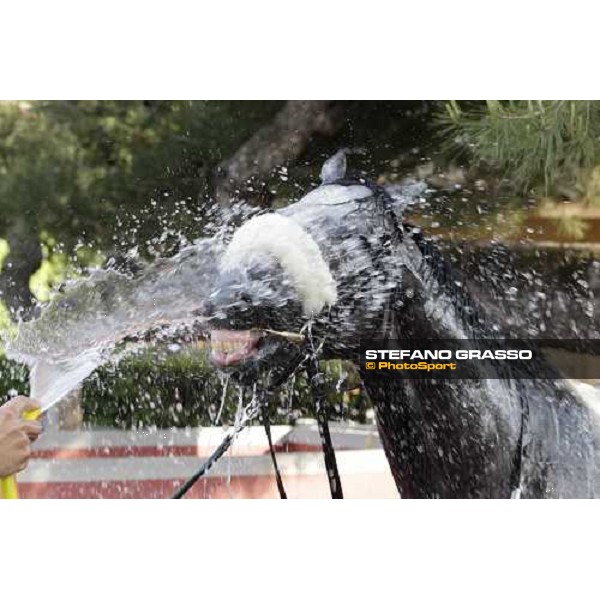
{"x": 471, "y": 354}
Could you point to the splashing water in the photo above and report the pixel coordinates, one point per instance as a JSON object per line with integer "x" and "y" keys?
{"x": 86, "y": 326}
{"x": 240, "y": 407}
{"x": 79, "y": 330}
{"x": 225, "y": 382}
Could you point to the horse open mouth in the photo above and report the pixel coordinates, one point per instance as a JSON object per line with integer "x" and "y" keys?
{"x": 229, "y": 348}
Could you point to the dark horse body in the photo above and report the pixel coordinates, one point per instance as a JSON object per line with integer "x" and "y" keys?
{"x": 473, "y": 438}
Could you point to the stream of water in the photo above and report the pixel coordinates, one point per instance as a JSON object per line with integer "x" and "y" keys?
{"x": 82, "y": 327}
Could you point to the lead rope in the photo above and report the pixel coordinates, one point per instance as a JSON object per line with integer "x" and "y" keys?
{"x": 257, "y": 406}
{"x": 316, "y": 383}
{"x": 249, "y": 413}
{"x": 267, "y": 426}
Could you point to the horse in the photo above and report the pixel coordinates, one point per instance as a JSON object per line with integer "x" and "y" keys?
{"x": 343, "y": 265}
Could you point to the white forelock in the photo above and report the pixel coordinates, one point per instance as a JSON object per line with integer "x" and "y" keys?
{"x": 294, "y": 249}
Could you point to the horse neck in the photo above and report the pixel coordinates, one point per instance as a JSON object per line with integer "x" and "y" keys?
{"x": 444, "y": 438}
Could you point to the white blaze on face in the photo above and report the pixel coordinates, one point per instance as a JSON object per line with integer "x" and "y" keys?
{"x": 294, "y": 249}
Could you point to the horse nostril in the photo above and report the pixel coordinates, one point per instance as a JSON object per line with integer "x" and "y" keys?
{"x": 245, "y": 298}
{"x": 208, "y": 308}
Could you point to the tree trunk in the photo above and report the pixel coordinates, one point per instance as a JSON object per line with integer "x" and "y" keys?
{"x": 277, "y": 143}
{"x": 24, "y": 259}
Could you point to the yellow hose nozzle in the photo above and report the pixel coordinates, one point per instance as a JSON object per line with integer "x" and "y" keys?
{"x": 32, "y": 415}
{"x": 8, "y": 485}
{"x": 8, "y": 488}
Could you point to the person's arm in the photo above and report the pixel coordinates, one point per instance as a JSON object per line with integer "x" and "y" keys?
{"x": 16, "y": 435}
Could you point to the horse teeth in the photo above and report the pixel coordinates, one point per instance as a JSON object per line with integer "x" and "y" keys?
{"x": 225, "y": 346}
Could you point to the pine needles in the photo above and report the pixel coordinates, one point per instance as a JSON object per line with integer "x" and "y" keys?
{"x": 532, "y": 143}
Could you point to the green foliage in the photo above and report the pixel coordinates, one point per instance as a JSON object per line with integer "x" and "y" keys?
{"x": 182, "y": 390}
{"x": 82, "y": 170}
{"x": 589, "y": 188}
{"x": 546, "y": 143}
{"x": 13, "y": 377}
{"x": 151, "y": 155}
{"x": 89, "y": 178}
{"x": 145, "y": 391}
{"x": 39, "y": 162}
{"x": 5, "y": 320}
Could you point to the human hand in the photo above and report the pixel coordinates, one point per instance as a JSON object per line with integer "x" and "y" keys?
{"x": 16, "y": 435}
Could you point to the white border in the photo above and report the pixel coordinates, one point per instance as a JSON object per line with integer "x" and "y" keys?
{"x": 263, "y": 49}
{"x": 309, "y": 49}
{"x": 320, "y": 549}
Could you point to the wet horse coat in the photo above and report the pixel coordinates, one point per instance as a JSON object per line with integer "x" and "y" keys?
{"x": 476, "y": 438}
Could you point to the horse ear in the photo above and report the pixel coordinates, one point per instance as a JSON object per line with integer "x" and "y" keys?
{"x": 406, "y": 193}
{"x": 334, "y": 168}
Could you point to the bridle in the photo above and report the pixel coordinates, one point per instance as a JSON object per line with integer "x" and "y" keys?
{"x": 258, "y": 406}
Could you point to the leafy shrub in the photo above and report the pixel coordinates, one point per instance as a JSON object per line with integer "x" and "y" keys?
{"x": 182, "y": 390}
